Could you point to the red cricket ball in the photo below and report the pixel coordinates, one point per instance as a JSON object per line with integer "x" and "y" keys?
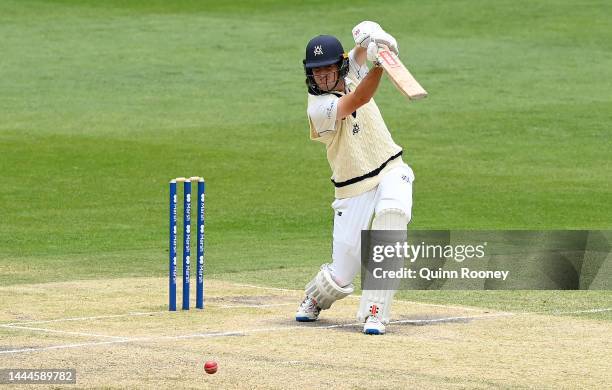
{"x": 210, "y": 367}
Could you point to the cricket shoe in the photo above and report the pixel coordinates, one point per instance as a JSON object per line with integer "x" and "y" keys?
{"x": 308, "y": 310}
{"x": 373, "y": 325}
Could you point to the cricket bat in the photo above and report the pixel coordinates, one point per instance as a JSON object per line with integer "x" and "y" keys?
{"x": 400, "y": 76}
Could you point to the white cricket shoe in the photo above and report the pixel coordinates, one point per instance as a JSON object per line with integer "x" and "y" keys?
{"x": 308, "y": 310}
{"x": 373, "y": 325}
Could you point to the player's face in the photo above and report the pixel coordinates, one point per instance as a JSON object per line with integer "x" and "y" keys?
{"x": 326, "y": 76}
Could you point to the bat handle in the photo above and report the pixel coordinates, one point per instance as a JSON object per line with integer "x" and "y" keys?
{"x": 382, "y": 46}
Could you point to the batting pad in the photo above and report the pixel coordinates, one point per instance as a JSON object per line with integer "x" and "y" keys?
{"x": 388, "y": 219}
{"x": 324, "y": 289}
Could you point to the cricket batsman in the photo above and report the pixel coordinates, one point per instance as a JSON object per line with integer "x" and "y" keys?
{"x": 373, "y": 185}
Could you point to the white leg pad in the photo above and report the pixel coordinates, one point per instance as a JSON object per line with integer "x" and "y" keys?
{"x": 388, "y": 219}
{"x": 325, "y": 290}
{"x": 382, "y": 299}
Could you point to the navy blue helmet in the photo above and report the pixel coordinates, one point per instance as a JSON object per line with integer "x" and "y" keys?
{"x": 324, "y": 50}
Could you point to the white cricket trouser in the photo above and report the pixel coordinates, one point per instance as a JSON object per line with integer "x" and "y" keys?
{"x": 352, "y": 215}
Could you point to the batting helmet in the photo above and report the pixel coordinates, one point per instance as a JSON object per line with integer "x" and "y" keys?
{"x": 324, "y": 50}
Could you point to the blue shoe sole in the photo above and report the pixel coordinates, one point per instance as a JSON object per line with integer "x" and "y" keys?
{"x": 372, "y": 331}
{"x": 305, "y": 319}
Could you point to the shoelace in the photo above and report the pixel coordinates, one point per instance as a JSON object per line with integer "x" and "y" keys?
{"x": 306, "y": 304}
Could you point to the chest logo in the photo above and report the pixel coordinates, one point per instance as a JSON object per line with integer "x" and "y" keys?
{"x": 355, "y": 128}
{"x": 318, "y": 50}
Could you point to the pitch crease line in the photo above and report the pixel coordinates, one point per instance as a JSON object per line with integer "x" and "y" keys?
{"x": 468, "y": 308}
{"x": 62, "y": 332}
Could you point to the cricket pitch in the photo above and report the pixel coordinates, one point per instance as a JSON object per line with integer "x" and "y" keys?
{"x": 251, "y": 333}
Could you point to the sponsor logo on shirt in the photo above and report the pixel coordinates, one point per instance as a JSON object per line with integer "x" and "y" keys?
{"x": 329, "y": 110}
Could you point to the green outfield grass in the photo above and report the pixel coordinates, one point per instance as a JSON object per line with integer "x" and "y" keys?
{"x": 102, "y": 102}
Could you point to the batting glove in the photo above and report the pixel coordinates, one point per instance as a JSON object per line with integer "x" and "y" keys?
{"x": 383, "y": 38}
{"x": 363, "y": 31}
{"x": 372, "y": 53}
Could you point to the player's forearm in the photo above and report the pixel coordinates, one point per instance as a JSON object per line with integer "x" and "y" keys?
{"x": 367, "y": 87}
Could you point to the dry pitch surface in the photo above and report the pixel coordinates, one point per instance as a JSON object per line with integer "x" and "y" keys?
{"x": 116, "y": 334}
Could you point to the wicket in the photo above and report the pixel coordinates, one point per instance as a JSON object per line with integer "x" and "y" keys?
{"x": 187, "y": 242}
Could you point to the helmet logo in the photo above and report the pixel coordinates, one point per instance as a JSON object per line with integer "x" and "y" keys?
{"x": 318, "y": 50}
